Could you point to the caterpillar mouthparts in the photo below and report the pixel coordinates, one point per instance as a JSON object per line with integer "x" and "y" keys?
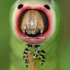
{"x": 32, "y": 23}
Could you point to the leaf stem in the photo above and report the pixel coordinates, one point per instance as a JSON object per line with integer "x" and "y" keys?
{"x": 31, "y": 62}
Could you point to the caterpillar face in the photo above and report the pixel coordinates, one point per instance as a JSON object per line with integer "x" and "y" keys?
{"x": 32, "y": 22}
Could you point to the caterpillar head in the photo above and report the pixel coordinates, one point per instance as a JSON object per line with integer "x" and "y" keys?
{"x": 35, "y": 22}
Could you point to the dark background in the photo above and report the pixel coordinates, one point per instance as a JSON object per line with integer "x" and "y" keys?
{"x": 5, "y": 6}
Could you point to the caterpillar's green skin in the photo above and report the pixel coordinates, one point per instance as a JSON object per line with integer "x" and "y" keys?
{"x": 51, "y": 46}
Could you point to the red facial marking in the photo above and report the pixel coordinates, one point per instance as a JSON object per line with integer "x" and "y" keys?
{"x": 37, "y": 39}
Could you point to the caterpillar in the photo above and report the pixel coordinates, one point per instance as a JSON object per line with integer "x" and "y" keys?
{"x": 36, "y": 29}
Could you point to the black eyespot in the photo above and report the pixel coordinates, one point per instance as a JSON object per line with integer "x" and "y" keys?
{"x": 46, "y": 6}
{"x": 20, "y": 6}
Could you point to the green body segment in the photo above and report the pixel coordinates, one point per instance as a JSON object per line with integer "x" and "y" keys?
{"x": 51, "y": 46}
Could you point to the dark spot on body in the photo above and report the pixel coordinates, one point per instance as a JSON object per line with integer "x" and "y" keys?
{"x": 47, "y": 6}
{"x": 20, "y": 6}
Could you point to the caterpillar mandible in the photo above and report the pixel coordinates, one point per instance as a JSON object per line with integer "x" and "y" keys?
{"x": 35, "y": 29}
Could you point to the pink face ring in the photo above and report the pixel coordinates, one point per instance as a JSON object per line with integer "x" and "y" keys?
{"x": 40, "y": 38}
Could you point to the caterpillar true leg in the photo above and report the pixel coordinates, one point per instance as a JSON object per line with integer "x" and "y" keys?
{"x": 29, "y": 46}
{"x": 25, "y": 56}
{"x": 26, "y": 62}
{"x": 36, "y": 54}
{"x": 42, "y": 62}
{"x": 25, "y": 53}
{"x": 26, "y": 50}
{"x": 42, "y": 57}
{"x": 36, "y": 46}
{"x": 37, "y": 51}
